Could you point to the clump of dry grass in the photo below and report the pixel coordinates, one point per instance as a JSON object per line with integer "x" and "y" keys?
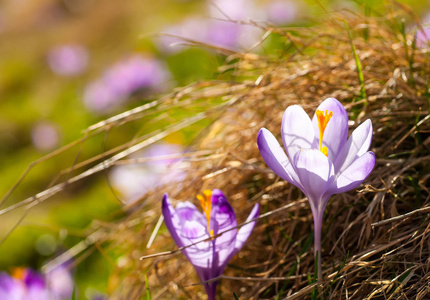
{"x": 375, "y": 240}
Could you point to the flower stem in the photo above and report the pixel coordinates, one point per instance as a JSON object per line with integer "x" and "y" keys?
{"x": 211, "y": 290}
{"x": 317, "y": 242}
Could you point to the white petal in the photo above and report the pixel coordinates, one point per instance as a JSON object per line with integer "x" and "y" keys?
{"x": 357, "y": 144}
{"x": 316, "y": 173}
{"x": 354, "y": 175}
{"x": 297, "y": 130}
{"x": 275, "y": 157}
{"x": 336, "y": 132}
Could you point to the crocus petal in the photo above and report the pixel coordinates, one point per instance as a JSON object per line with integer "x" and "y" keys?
{"x": 245, "y": 230}
{"x": 336, "y": 132}
{"x": 354, "y": 175}
{"x": 315, "y": 171}
{"x": 222, "y": 214}
{"x": 200, "y": 254}
{"x": 193, "y": 230}
{"x": 275, "y": 157}
{"x": 297, "y": 130}
{"x": 223, "y": 219}
{"x": 188, "y": 232}
{"x": 172, "y": 220}
{"x": 10, "y": 288}
{"x": 357, "y": 144}
{"x": 187, "y": 211}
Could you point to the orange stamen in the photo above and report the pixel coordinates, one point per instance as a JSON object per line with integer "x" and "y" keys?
{"x": 18, "y": 273}
{"x": 323, "y": 119}
{"x": 206, "y": 203}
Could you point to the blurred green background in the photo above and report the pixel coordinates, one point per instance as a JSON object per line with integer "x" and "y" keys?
{"x": 67, "y": 64}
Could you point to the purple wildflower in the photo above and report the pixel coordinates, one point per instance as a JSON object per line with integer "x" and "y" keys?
{"x": 220, "y": 29}
{"x": 26, "y": 284}
{"x": 45, "y": 136}
{"x": 224, "y": 33}
{"x": 130, "y": 75}
{"x": 68, "y": 60}
{"x": 423, "y": 32}
{"x": 11, "y": 288}
{"x": 423, "y": 37}
{"x": 281, "y": 11}
{"x": 321, "y": 160}
{"x": 192, "y": 28}
{"x": 211, "y": 253}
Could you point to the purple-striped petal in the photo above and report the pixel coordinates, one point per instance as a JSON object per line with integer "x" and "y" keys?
{"x": 245, "y": 230}
{"x": 297, "y": 130}
{"x": 357, "y": 144}
{"x": 315, "y": 171}
{"x": 175, "y": 220}
{"x": 172, "y": 220}
{"x": 193, "y": 230}
{"x": 354, "y": 175}
{"x": 187, "y": 211}
{"x": 275, "y": 157}
{"x": 222, "y": 215}
{"x": 200, "y": 254}
{"x": 223, "y": 219}
{"x": 336, "y": 132}
{"x": 186, "y": 232}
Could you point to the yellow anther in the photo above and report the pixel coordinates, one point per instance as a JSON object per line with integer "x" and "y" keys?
{"x": 323, "y": 119}
{"x": 324, "y": 150}
{"x": 206, "y": 203}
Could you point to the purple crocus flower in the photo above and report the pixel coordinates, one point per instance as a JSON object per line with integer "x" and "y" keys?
{"x": 26, "y": 284}
{"x": 11, "y": 288}
{"x": 321, "y": 160}
{"x": 211, "y": 253}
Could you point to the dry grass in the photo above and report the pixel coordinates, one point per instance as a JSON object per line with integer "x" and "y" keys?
{"x": 364, "y": 258}
{"x": 375, "y": 240}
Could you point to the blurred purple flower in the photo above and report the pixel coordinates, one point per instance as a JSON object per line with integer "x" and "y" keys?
{"x": 219, "y": 30}
{"x": 423, "y": 33}
{"x": 224, "y": 33}
{"x": 281, "y": 11}
{"x": 423, "y": 37}
{"x": 10, "y": 288}
{"x": 120, "y": 81}
{"x": 193, "y": 28}
{"x": 239, "y": 10}
{"x": 134, "y": 180}
{"x": 321, "y": 160}
{"x": 60, "y": 282}
{"x": 68, "y": 60}
{"x": 100, "y": 98}
{"x": 187, "y": 225}
{"x": 45, "y": 136}
{"x": 26, "y": 284}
